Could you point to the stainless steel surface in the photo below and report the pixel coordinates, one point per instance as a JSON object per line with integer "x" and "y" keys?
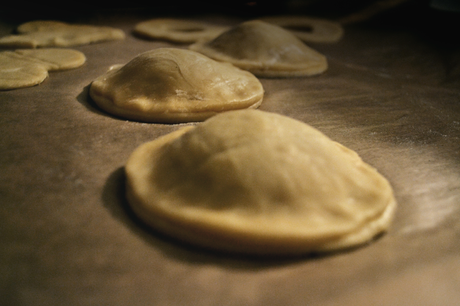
{"x": 68, "y": 237}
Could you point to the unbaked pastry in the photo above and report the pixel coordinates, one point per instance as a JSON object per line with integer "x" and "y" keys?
{"x": 309, "y": 29}
{"x": 178, "y": 30}
{"x": 43, "y": 33}
{"x": 25, "y": 68}
{"x": 259, "y": 183}
{"x": 175, "y": 85}
{"x": 264, "y": 49}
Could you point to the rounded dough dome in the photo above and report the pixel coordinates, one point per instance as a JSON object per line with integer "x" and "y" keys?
{"x": 255, "y": 182}
{"x": 264, "y": 49}
{"x": 175, "y": 85}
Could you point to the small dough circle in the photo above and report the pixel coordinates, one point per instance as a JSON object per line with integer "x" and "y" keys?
{"x": 175, "y": 85}
{"x": 178, "y": 30}
{"x": 265, "y": 50}
{"x": 18, "y": 72}
{"x": 253, "y": 182}
{"x": 26, "y": 68}
{"x": 309, "y": 29}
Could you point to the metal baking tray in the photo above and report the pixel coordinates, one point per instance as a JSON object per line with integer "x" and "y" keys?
{"x": 69, "y": 238}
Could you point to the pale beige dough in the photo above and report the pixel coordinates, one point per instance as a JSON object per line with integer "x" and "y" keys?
{"x": 309, "y": 29}
{"x": 25, "y": 68}
{"x": 56, "y": 59}
{"x": 44, "y": 33}
{"x": 254, "y": 182}
{"x": 175, "y": 85}
{"x": 264, "y": 49}
{"x": 178, "y": 30}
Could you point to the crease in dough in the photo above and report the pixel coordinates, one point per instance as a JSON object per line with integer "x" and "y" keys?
{"x": 264, "y": 49}
{"x": 178, "y": 30}
{"x": 253, "y": 182}
{"x": 174, "y": 85}
{"x": 47, "y": 33}
{"x": 26, "y": 68}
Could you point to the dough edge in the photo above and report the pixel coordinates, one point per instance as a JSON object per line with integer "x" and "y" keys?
{"x": 159, "y": 117}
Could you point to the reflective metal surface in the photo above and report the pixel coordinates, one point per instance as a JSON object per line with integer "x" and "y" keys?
{"x": 69, "y": 238}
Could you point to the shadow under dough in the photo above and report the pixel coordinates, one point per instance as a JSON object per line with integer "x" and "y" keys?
{"x": 114, "y": 200}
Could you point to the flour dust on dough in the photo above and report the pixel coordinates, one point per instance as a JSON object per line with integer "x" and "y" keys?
{"x": 254, "y": 182}
{"x": 174, "y": 85}
{"x": 264, "y": 49}
{"x": 47, "y": 33}
{"x": 29, "y": 67}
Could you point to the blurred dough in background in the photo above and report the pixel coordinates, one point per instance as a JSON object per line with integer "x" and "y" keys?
{"x": 309, "y": 29}
{"x": 43, "y": 33}
{"x": 178, "y": 30}
{"x": 264, "y": 49}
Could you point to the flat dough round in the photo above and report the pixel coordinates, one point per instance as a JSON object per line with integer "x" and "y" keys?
{"x": 264, "y": 49}
{"x": 56, "y": 59}
{"x": 178, "y": 30}
{"x": 254, "y": 182}
{"x": 26, "y": 68}
{"x": 175, "y": 85}
{"x": 309, "y": 29}
{"x": 44, "y": 33}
